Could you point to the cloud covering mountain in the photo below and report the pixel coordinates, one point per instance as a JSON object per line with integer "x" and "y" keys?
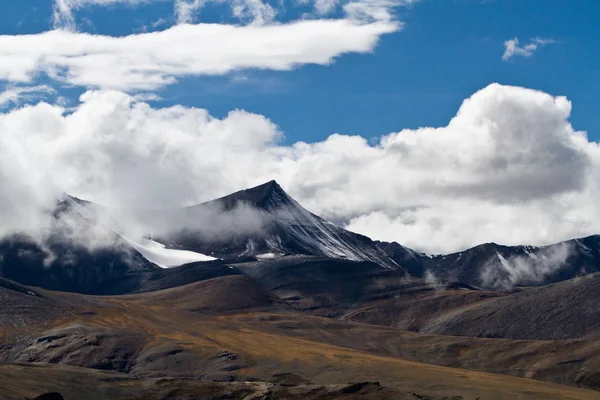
{"x": 509, "y": 167}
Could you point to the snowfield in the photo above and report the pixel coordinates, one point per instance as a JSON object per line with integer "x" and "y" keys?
{"x": 158, "y": 254}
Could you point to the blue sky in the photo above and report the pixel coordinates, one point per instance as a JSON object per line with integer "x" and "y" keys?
{"x": 420, "y": 75}
{"x": 415, "y": 77}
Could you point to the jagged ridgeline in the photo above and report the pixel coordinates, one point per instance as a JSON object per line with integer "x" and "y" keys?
{"x": 137, "y": 248}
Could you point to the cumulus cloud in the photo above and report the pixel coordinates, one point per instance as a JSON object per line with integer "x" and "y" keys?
{"x": 512, "y": 48}
{"x": 508, "y": 168}
{"x": 149, "y": 61}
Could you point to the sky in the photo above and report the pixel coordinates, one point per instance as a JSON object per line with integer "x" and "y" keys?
{"x": 440, "y": 124}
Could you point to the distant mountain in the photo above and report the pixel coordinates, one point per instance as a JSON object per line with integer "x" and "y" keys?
{"x": 255, "y": 224}
{"x": 103, "y": 271}
{"x": 71, "y": 267}
{"x": 412, "y": 261}
{"x": 493, "y": 266}
{"x": 59, "y": 261}
{"x": 263, "y": 222}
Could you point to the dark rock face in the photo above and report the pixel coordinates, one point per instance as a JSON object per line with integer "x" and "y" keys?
{"x": 412, "y": 261}
{"x": 110, "y": 271}
{"x": 73, "y": 268}
{"x": 61, "y": 261}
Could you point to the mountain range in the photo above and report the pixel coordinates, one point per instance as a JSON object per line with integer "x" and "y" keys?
{"x": 266, "y": 223}
{"x": 252, "y": 296}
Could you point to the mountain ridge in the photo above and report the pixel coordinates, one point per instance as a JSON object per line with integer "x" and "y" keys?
{"x": 496, "y": 266}
{"x": 281, "y": 227}
{"x": 264, "y": 222}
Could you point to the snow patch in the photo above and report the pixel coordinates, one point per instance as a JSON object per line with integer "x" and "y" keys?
{"x": 268, "y": 256}
{"x": 531, "y": 255}
{"x": 151, "y": 250}
{"x": 158, "y": 254}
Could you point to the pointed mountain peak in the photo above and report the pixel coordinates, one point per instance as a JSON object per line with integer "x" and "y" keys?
{"x": 270, "y": 188}
{"x": 266, "y": 188}
{"x": 267, "y": 196}
{"x": 65, "y": 204}
{"x": 270, "y": 184}
{"x": 71, "y": 198}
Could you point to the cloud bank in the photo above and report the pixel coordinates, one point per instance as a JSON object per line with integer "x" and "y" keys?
{"x": 508, "y": 168}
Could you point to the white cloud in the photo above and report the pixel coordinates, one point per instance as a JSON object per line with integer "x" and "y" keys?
{"x": 503, "y": 274}
{"x": 64, "y": 10}
{"x": 508, "y": 167}
{"x": 374, "y": 10}
{"x": 256, "y": 11}
{"x": 15, "y": 95}
{"x": 251, "y": 38}
{"x": 148, "y": 61}
{"x": 185, "y": 9}
{"x": 512, "y": 48}
{"x": 323, "y": 7}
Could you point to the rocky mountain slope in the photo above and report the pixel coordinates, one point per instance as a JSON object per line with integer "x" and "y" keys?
{"x": 493, "y": 266}
{"x": 292, "y": 306}
{"x": 261, "y": 223}
{"x": 264, "y": 222}
{"x": 565, "y": 310}
{"x": 216, "y": 335}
